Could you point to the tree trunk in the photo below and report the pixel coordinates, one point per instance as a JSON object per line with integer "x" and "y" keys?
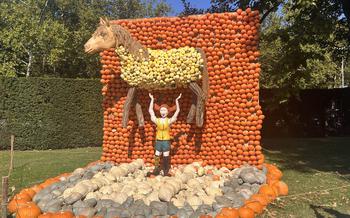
{"x": 29, "y": 65}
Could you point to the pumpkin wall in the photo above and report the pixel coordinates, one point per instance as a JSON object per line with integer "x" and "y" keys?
{"x": 230, "y": 136}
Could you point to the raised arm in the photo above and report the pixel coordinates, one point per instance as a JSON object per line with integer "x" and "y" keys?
{"x": 150, "y": 109}
{"x": 174, "y": 117}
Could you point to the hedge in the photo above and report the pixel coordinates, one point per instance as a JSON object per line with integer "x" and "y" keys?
{"x": 50, "y": 113}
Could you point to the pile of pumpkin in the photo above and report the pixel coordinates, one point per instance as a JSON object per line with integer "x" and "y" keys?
{"x": 231, "y": 135}
{"x": 108, "y": 190}
{"x": 169, "y": 69}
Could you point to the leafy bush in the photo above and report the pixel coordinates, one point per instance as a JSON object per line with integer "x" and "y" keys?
{"x": 50, "y": 113}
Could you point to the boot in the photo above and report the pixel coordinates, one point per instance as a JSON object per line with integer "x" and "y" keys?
{"x": 166, "y": 165}
{"x": 157, "y": 169}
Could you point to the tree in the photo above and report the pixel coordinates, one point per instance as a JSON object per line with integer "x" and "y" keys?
{"x": 28, "y": 44}
{"x": 46, "y": 37}
{"x": 298, "y": 41}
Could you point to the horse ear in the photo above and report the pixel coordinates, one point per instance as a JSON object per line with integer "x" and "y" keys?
{"x": 104, "y": 21}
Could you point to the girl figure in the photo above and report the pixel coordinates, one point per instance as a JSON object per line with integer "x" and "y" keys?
{"x": 163, "y": 134}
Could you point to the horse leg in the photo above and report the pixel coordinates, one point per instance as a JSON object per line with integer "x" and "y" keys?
{"x": 127, "y": 104}
{"x": 197, "y": 90}
{"x": 205, "y": 75}
{"x": 139, "y": 114}
{"x": 199, "y": 112}
{"x": 192, "y": 111}
{"x": 199, "y": 108}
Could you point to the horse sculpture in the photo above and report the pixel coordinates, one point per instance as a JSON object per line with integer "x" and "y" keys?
{"x": 130, "y": 50}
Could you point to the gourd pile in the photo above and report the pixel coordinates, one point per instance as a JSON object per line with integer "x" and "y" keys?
{"x": 230, "y": 136}
{"x": 107, "y": 190}
{"x": 169, "y": 69}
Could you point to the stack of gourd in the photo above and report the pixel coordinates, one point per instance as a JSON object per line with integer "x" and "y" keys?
{"x": 108, "y": 190}
{"x": 231, "y": 135}
{"x": 163, "y": 69}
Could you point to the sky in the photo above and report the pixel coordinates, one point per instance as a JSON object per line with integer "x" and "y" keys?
{"x": 177, "y": 6}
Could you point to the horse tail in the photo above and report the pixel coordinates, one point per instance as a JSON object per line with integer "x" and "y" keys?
{"x": 205, "y": 75}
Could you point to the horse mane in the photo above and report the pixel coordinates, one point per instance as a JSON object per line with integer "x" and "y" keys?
{"x": 125, "y": 39}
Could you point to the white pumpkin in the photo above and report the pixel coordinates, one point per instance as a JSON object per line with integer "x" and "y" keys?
{"x": 193, "y": 183}
{"x": 153, "y": 196}
{"x": 213, "y": 191}
{"x": 194, "y": 201}
{"x": 189, "y": 169}
{"x": 139, "y": 196}
{"x": 209, "y": 200}
{"x": 116, "y": 187}
{"x": 120, "y": 197}
{"x": 106, "y": 197}
{"x": 144, "y": 188}
{"x": 166, "y": 193}
{"x": 81, "y": 189}
{"x": 67, "y": 193}
{"x": 78, "y": 171}
{"x": 201, "y": 171}
{"x": 106, "y": 190}
{"x": 178, "y": 202}
{"x": 110, "y": 176}
{"x": 91, "y": 195}
{"x": 97, "y": 182}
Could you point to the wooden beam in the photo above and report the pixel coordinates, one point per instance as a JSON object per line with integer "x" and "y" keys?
{"x": 4, "y": 196}
{"x": 127, "y": 105}
{"x": 139, "y": 114}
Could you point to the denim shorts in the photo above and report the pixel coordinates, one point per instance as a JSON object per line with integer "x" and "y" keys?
{"x": 162, "y": 145}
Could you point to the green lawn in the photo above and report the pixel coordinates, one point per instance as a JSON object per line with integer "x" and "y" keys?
{"x": 316, "y": 170}
{"x": 32, "y": 167}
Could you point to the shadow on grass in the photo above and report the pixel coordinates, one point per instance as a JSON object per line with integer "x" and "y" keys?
{"x": 329, "y": 211}
{"x": 308, "y": 154}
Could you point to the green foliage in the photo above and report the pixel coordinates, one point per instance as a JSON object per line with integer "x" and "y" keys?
{"x": 50, "y": 113}
{"x": 299, "y": 47}
{"x": 46, "y": 37}
{"x": 302, "y": 41}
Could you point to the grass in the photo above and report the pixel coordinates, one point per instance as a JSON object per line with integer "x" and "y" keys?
{"x": 317, "y": 171}
{"x": 33, "y": 167}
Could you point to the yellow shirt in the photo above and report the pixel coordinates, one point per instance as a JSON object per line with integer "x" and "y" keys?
{"x": 163, "y": 129}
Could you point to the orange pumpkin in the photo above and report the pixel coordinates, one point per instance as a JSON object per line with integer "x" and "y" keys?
{"x": 255, "y": 206}
{"x": 261, "y": 198}
{"x": 280, "y": 187}
{"x": 268, "y": 192}
{"x": 216, "y": 177}
{"x": 63, "y": 214}
{"x": 230, "y": 212}
{"x": 30, "y": 210}
{"x": 45, "y": 215}
{"x": 245, "y": 212}
{"x": 29, "y": 192}
{"x": 15, "y": 204}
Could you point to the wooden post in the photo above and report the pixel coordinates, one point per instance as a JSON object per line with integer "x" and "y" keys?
{"x": 11, "y": 154}
{"x": 4, "y": 196}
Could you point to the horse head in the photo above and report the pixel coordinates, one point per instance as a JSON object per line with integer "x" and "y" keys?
{"x": 103, "y": 38}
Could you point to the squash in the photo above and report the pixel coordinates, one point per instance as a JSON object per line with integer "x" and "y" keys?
{"x": 30, "y": 210}
{"x": 194, "y": 201}
{"x": 280, "y": 187}
{"x": 268, "y": 192}
{"x": 229, "y": 212}
{"x": 261, "y": 198}
{"x": 255, "y": 206}
{"x": 16, "y": 203}
{"x": 245, "y": 212}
